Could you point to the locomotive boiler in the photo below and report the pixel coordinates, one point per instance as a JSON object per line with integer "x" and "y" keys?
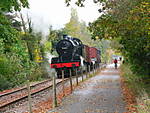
{"x": 73, "y": 54}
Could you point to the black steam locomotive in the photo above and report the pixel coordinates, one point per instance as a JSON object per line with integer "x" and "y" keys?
{"x": 73, "y": 55}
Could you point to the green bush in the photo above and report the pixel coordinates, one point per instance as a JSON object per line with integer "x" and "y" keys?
{"x": 4, "y": 83}
{"x": 14, "y": 73}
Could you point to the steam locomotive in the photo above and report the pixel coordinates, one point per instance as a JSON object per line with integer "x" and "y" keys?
{"x": 73, "y": 54}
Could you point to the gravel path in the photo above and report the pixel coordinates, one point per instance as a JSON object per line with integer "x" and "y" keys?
{"x": 99, "y": 94}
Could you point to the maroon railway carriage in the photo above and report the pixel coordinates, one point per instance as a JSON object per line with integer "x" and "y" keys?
{"x": 92, "y": 56}
{"x": 73, "y": 55}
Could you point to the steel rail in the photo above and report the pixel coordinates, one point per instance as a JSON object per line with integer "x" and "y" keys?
{"x": 23, "y": 88}
{"x": 26, "y": 95}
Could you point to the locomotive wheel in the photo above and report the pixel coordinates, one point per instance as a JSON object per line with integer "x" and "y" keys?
{"x": 66, "y": 73}
{"x": 59, "y": 74}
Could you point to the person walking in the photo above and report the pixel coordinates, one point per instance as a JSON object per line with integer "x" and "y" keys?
{"x": 115, "y": 62}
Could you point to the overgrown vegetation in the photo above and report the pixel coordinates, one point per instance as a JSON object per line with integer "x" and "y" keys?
{"x": 17, "y": 63}
{"x": 140, "y": 88}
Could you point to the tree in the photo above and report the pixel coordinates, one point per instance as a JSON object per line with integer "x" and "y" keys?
{"x": 72, "y": 28}
{"x": 14, "y": 57}
{"x": 131, "y": 29}
{"x": 78, "y": 29}
{"x": 9, "y": 6}
{"x": 53, "y": 37}
{"x": 126, "y": 21}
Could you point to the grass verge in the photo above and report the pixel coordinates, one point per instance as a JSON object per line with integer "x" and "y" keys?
{"x": 139, "y": 87}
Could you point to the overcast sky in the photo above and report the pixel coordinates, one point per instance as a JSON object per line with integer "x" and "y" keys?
{"x": 54, "y": 12}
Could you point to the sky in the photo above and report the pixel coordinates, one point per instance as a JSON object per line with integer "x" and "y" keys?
{"x": 44, "y": 13}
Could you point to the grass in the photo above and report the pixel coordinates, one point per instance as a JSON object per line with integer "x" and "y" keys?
{"x": 140, "y": 86}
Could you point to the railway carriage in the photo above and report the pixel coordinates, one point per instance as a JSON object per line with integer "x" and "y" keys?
{"x": 73, "y": 54}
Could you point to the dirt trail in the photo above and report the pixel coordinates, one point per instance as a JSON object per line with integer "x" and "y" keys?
{"x": 99, "y": 94}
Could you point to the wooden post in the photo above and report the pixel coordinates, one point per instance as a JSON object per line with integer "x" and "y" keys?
{"x": 89, "y": 69}
{"x": 70, "y": 77}
{"x": 99, "y": 67}
{"x": 63, "y": 85}
{"x": 82, "y": 74}
{"x": 54, "y": 91}
{"x": 96, "y": 67}
{"x": 93, "y": 69}
{"x": 86, "y": 72}
{"x": 76, "y": 76}
{"x": 29, "y": 96}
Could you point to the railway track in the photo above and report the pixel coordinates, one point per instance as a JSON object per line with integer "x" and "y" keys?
{"x": 9, "y": 98}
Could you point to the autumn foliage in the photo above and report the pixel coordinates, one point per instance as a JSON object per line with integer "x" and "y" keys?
{"x": 128, "y": 22}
